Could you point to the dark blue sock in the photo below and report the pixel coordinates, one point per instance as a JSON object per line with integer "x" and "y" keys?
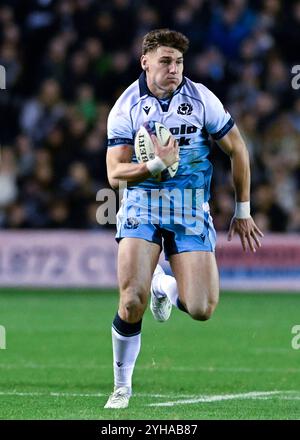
{"x": 126, "y": 328}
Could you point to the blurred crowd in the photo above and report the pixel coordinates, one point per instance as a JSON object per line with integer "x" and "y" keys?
{"x": 67, "y": 61}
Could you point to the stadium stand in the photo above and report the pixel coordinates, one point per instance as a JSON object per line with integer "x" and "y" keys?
{"x": 67, "y": 61}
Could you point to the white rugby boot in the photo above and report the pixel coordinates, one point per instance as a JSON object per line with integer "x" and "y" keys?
{"x": 160, "y": 305}
{"x": 119, "y": 398}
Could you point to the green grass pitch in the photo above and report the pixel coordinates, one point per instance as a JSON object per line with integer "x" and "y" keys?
{"x": 58, "y": 362}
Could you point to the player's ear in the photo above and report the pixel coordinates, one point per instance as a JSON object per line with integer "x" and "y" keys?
{"x": 144, "y": 62}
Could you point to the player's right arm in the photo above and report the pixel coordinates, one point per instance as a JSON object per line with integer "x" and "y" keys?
{"x": 120, "y": 168}
{"x": 120, "y": 134}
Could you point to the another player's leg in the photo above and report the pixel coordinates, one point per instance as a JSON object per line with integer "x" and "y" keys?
{"x": 197, "y": 280}
{"x": 160, "y": 304}
{"x": 137, "y": 259}
{"x": 164, "y": 294}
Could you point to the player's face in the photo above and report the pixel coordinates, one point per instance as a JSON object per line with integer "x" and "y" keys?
{"x": 164, "y": 67}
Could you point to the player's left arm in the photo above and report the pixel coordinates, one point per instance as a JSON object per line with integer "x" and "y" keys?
{"x": 242, "y": 223}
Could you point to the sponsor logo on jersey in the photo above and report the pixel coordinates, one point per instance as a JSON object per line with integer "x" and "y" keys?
{"x": 183, "y": 129}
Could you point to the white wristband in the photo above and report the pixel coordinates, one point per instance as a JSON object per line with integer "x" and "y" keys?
{"x": 155, "y": 165}
{"x": 242, "y": 210}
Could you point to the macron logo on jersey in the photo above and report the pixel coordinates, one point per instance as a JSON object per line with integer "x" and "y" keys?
{"x": 146, "y": 109}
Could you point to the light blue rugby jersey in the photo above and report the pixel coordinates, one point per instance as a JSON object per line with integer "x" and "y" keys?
{"x": 192, "y": 114}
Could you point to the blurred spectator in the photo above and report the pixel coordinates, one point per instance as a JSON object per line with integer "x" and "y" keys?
{"x": 287, "y": 32}
{"x": 26, "y": 155}
{"x": 8, "y": 171}
{"x": 40, "y": 114}
{"x": 9, "y": 59}
{"x": 86, "y": 104}
{"x": 78, "y": 188}
{"x": 294, "y": 219}
{"x": 295, "y": 115}
{"x": 16, "y": 217}
{"x": 265, "y": 204}
{"x": 59, "y": 215}
{"x": 54, "y": 63}
{"x": 230, "y": 25}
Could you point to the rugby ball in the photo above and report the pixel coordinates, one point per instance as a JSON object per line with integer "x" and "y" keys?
{"x": 143, "y": 145}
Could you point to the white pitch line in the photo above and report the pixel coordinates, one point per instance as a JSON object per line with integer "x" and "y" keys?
{"x": 19, "y": 393}
{"x": 231, "y": 369}
{"x": 184, "y": 398}
{"x": 218, "y": 398}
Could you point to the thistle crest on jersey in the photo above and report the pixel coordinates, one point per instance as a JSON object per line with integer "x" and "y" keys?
{"x": 185, "y": 109}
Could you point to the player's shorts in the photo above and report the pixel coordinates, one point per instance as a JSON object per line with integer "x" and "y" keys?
{"x": 174, "y": 236}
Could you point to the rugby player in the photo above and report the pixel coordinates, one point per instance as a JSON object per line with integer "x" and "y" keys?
{"x": 193, "y": 114}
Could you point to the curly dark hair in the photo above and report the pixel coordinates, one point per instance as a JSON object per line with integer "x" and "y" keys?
{"x": 164, "y": 37}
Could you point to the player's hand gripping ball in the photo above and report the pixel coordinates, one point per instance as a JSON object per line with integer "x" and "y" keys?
{"x": 143, "y": 145}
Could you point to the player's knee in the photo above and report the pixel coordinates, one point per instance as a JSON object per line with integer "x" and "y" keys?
{"x": 133, "y": 303}
{"x": 202, "y": 313}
